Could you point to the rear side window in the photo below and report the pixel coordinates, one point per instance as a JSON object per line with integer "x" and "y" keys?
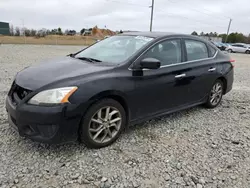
{"x": 196, "y": 50}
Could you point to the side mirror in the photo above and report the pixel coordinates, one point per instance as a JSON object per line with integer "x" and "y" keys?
{"x": 150, "y": 63}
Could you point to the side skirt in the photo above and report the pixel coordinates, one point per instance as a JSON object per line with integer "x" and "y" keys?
{"x": 141, "y": 120}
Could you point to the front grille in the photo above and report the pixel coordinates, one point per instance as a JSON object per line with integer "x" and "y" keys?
{"x": 17, "y": 93}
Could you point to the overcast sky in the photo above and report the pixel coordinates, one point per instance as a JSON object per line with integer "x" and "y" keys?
{"x": 183, "y": 16}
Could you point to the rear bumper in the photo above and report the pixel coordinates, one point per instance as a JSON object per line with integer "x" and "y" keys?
{"x": 57, "y": 124}
{"x": 230, "y": 79}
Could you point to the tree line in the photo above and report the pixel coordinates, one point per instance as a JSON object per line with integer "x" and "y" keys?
{"x": 234, "y": 37}
{"x": 17, "y": 31}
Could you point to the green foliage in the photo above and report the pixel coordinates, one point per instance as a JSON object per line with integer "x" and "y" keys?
{"x": 248, "y": 39}
{"x": 194, "y": 33}
{"x": 59, "y": 31}
{"x": 223, "y": 36}
{"x": 82, "y": 31}
{"x": 232, "y": 37}
{"x": 236, "y": 37}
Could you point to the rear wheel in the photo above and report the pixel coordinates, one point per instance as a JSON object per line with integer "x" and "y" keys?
{"x": 103, "y": 123}
{"x": 215, "y": 94}
{"x": 248, "y": 52}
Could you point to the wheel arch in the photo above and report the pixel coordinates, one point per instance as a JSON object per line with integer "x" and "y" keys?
{"x": 224, "y": 81}
{"x": 112, "y": 94}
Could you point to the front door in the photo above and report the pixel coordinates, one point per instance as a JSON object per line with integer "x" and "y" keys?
{"x": 161, "y": 89}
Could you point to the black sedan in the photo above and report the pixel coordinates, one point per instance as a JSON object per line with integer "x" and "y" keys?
{"x": 94, "y": 94}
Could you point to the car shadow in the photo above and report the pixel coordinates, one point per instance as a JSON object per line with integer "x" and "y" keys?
{"x": 162, "y": 119}
{"x": 72, "y": 148}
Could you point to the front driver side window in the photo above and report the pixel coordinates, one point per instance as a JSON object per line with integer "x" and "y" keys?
{"x": 168, "y": 52}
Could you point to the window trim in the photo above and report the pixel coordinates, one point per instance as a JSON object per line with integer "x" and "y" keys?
{"x": 186, "y": 62}
{"x": 210, "y": 54}
{"x": 183, "y": 55}
{"x": 154, "y": 44}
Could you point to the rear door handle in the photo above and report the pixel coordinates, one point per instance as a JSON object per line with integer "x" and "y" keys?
{"x": 180, "y": 75}
{"x": 211, "y": 69}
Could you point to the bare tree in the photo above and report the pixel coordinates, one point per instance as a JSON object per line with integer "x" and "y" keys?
{"x": 27, "y": 32}
{"x": 11, "y": 30}
{"x": 17, "y": 31}
{"x": 33, "y": 32}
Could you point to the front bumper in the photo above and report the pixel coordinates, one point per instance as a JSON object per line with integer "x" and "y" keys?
{"x": 55, "y": 124}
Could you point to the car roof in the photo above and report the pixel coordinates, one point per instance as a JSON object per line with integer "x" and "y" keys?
{"x": 240, "y": 43}
{"x": 153, "y": 34}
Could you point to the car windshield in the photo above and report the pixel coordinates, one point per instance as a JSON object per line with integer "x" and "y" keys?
{"x": 115, "y": 49}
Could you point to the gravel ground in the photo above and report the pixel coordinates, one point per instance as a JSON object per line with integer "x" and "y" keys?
{"x": 192, "y": 148}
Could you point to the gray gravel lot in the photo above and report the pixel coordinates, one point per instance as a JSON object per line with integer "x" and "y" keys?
{"x": 192, "y": 148}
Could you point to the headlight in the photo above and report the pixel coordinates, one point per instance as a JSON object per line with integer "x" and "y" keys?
{"x": 53, "y": 96}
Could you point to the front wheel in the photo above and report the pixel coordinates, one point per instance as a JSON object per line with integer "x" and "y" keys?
{"x": 248, "y": 52}
{"x": 102, "y": 124}
{"x": 230, "y": 51}
{"x": 215, "y": 94}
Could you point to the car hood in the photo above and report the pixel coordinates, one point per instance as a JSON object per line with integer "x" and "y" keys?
{"x": 37, "y": 76}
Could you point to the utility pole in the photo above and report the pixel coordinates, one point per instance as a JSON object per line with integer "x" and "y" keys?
{"x": 228, "y": 29}
{"x": 152, "y": 15}
{"x": 24, "y": 31}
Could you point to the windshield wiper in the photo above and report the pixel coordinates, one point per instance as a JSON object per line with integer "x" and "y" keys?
{"x": 88, "y": 59}
{"x": 84, "y": 58}
{"x": 96, "y": 60}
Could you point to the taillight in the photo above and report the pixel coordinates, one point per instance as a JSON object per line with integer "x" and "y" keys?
{"x": 232, "y": 62}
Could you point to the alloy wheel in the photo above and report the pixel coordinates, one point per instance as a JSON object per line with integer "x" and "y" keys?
{"x": 105, "y": 124}
{"x": 216, "y": 94}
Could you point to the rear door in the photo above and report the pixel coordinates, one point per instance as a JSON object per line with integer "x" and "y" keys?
{"x": 202, "y": 69}
{"x": 242, "y": 48}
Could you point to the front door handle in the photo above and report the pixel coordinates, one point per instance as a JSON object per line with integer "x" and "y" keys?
{"x": 180, "y": 75}
{"x": 211, "y": 69}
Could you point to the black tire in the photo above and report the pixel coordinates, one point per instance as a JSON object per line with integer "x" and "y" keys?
{"x": 248, "y": 52}
{"x": 230, "y": 51}
{"x": 209, "y": 103}
{"x": 84, "y": 130}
